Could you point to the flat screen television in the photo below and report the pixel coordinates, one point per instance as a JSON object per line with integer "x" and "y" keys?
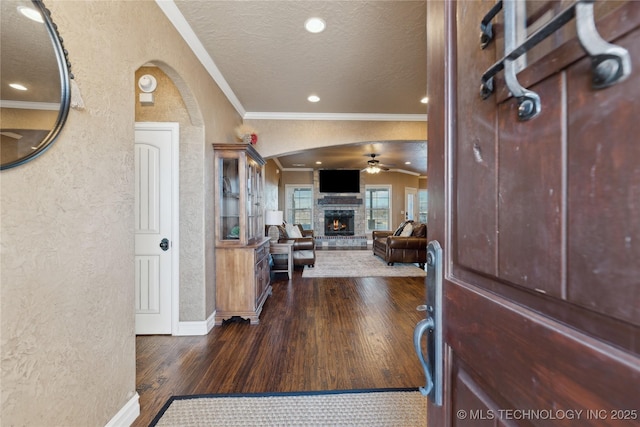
{"x": 339, "y": 180}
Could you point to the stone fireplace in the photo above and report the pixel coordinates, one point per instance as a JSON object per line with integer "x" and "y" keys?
{"x": 338, "y": 222}
{"x": 348, "y": 209}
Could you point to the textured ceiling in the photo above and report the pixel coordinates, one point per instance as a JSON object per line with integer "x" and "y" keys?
{"x": 371, "y": 59}
{"x": 369, "y": 63}
{"x": 27, "y": 57}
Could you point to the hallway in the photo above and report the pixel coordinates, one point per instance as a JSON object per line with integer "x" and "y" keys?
{"x": 314, "y": 334}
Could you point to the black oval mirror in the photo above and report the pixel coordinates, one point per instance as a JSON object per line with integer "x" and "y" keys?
{"x": 34, "y": 78}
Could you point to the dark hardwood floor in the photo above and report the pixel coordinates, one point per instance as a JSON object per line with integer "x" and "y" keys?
{"x": 314, "y": 334}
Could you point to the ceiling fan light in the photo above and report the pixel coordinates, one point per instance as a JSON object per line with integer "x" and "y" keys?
{"x": 373, "y": 169}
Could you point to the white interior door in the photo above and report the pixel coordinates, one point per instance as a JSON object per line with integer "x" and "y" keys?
{"x": 154, "y": 229}
{"x": 410, "y": 203}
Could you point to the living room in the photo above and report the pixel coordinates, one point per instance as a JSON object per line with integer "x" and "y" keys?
{"x": 395, "y": 182}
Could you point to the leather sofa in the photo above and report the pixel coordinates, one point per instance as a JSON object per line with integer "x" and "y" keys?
{"x": 304, "y": 248}
{"x": 392, "y": 247}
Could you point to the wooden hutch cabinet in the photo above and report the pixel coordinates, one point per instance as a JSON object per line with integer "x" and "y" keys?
{"x": 241, "y": 248}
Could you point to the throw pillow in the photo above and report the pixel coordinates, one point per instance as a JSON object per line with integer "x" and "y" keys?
{"x": 420, "y": 230}
{"x": 407, "y": 230}
{"x": 293, "y": 232}
{"x": 401, "y": 227}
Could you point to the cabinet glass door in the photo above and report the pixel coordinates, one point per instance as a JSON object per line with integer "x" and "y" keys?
{"x": 230, "y": 206}
{"x": 254, "y": 201}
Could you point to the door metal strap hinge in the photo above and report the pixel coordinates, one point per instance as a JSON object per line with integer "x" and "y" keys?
{"x": 609, "y": 63}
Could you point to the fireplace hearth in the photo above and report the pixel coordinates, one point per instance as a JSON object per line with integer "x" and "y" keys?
{"x": 338, "y": 223}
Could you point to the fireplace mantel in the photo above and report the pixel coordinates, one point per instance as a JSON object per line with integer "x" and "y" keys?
{"x": 340, "y": 200}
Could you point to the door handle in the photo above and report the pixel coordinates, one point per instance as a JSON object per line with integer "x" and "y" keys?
{"x": 423, "y": 326}
{"x": 432, "y": 364}
{"x": 164, "y": 244}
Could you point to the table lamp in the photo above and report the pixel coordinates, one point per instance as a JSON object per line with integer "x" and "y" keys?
{"x": 273, "y": 219}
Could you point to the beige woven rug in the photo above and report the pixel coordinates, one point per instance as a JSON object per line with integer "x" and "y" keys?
{"x": 356, "y": 263}
{"x": 352, "y": 408}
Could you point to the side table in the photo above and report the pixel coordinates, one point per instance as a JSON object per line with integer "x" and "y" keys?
{"x": 283, "y": 247}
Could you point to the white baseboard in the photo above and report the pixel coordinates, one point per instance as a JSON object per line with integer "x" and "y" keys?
{"x": 198, "y": 327}
{"x": 127, "y": 414}
{"x": 211, "y": 321}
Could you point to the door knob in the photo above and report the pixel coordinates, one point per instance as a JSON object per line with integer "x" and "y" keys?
{"x": 164, "y": 244}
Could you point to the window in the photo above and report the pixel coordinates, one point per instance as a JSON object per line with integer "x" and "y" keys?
{"x": 299, "y": 205}
{"x": 423, "y": 205}
{"x": 378, "y": 207}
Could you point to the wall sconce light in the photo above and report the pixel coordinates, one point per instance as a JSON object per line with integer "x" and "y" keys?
{"x": 147, "y": 85}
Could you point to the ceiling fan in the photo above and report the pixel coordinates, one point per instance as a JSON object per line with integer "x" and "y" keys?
{"x": 373, "y": 165}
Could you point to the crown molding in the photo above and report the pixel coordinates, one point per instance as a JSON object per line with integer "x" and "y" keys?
{"x": 253, "y": 115}
{"x": 390, "y": 170}
{"x": 298, "y": 169}
{"x": 176, "y": 18}
{"x": 180, "y": 23}
{"x": 25, "y": 105}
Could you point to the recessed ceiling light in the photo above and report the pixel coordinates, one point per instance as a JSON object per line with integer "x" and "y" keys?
{"x": 315, "y": 25}
{"x": 313, "y": 98}
{"x": 407, "y": 163}
{"x": 425, "y": 100}
{"x": 30, "y": 13}
{"x": 17, "y": 86}
{"x": 318, "y": 162}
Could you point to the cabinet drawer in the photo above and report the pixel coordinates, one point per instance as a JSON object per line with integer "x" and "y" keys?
{"x": 262, "y": 278}
{"x": 262, "y": 252}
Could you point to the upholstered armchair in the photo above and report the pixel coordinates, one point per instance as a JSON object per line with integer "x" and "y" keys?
{"x": 304, "y": 245}
{"x": 406, "y": 244}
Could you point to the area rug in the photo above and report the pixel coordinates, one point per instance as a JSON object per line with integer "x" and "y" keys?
{"x": 385, "y": 407}
{"x": 358, "y": 264}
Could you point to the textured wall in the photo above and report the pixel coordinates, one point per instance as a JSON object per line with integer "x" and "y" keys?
{"x": 168, "y": 106}
{"x": 272, "y": 176}
{"x": 398, "y": 182}
{"x": 66, "y": 272}
{"x": 17, "y": 118}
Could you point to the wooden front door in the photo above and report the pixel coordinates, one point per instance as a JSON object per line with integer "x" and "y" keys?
{"x": 539, "y": 221}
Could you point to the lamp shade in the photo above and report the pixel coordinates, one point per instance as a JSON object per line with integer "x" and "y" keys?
{"x": 273, "y": 218}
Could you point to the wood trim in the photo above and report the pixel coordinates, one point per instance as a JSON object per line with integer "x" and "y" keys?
{"x": 614, "y": 331}
{"x": 475, "y": 317}
{"x": 241, "y": 148}
{"x": 441, "y": 56}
